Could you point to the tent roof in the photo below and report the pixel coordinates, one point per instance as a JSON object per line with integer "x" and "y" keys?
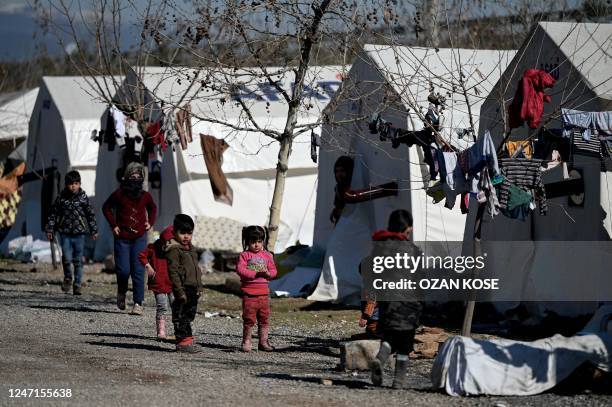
{"x": 410, "y": 70}
{"x": 249, "y": 151}
{"x": 588, "y": 47}
{"x": 76, "y": 97}
{"x": 15, "y": 115}
{"x": 171, "y": 84}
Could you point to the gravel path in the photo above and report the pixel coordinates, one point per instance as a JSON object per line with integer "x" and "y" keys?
{"x": 107, "y": 357}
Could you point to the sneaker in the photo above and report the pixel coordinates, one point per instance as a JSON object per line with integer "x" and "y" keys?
{"x": 137, "y": 310}
{"x": 76, "y": 290}
{"x": 191, "y": 348}
{"x": 121, "y": 301}
{"x": 66, "y": 284}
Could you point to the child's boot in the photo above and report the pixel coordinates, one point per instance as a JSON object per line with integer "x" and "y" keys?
{"x": 161, "y": 327}
{"x": 246, "y": 338}
{"x": 378, "y": 363}
{"x": 264, "y": 344}
{"x": 401, "y": 366}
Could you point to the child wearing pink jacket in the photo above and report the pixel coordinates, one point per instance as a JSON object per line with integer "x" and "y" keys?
{"x": 256, "y": 268}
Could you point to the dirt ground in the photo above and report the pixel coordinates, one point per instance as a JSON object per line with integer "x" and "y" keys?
{"x": 106, "y": 357}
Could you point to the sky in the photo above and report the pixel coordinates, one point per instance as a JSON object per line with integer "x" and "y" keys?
{"x": 20, "y": 33}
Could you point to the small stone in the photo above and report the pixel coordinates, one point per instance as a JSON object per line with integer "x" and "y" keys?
{"x": 327, "y": 382}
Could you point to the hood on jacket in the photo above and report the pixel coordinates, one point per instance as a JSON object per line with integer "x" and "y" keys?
{"x": 382, "y": 235}
{"x": 167, "y": 234}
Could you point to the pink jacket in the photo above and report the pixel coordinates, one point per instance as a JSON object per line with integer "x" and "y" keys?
{"x": 250, "y": 267}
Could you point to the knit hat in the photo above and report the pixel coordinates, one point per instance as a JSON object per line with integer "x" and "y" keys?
{"x": 134, "y": 168}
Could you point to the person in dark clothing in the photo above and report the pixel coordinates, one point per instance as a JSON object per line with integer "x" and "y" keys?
{"x": 186, "y": 278}
{"x": 343, "y": 172}
{"x": 72, "y": 216}
{"x": 130, "y": 212}
{"x": 398, "y": 320}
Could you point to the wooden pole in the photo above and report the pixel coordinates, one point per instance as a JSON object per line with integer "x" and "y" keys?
{"x": 466, "y": 328}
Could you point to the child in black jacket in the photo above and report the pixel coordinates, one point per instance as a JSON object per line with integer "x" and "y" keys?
{"x": 72, "y": 217}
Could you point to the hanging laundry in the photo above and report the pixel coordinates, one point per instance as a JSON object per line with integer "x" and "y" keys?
{"x": 132, "y": 133}
{"x": 156, "y": 135}
{"x": 523, "y": 173}
{"x": 119, "y": 123}
{"x": 183, "y": 125}
{"x": 314, "y": 143}
{"x": 436, "y": 192}
{"x": 107, "y": 133}
{"x": 213, "y": 149}
{"x": 453, "y": 179}
{"x": 513, "y": 146}
{"x": 487, "y": 193}
{"x": 169, "y": 129}
{"x": 481, "y": 154}
{"x": 589, "y": 122}
{"x": 549, "y": 140}
{"x": 528, "y": 103}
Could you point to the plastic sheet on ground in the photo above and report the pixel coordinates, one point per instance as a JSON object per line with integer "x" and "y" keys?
{"x": 298, "y": 283}
{"x": 29, "y": 250}
{"x": 466, "y": 366}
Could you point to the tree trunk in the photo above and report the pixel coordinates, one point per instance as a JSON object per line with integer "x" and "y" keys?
{"x": 279, "y": 188}
{"x": 430, "y": 20}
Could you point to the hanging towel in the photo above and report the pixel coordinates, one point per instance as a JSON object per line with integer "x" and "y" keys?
{"x": 213, "y": 149}
{"x": 528, "y": 103}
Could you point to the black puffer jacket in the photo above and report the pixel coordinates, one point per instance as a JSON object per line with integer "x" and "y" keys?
{"x": 398, "y": 315}
{"x": 72, "y": 214}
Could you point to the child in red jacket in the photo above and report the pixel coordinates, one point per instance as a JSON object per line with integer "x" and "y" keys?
{"x": 255, "y": 267}
{"x": 152, "y": 258}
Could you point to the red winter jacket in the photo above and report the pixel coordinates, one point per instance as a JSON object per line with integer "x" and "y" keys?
{"x": 130, "y": 214}
{"x": 528, "y": 103}
{"x": 154, "y": 255}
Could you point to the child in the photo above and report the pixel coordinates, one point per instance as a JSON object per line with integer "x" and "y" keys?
{"x": 72, "y": 216}
{"x": 398, "y": 320}
{"x": 130, "y": 212}
{"x": 156, "y": 266}
{"x": 255, "y": 267}
{"x": 186, "y": 279}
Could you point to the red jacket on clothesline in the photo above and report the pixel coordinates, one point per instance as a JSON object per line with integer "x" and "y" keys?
{"x": 528, "y": 103}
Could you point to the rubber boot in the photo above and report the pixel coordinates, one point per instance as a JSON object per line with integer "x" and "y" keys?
{"x": 401, "y": 366}
{"x": 378, "y": 363}
{"x": 246, "y": 338}
{"x": 264, "y": 344}
{"x": 161, "y": 326}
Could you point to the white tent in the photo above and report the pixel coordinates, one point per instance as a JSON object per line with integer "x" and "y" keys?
{"x": 65, "y": 113}
{"x": 578, "y": 56}
{"x": 250, "y": 161}
{"x": 15, "y": 118}
{"x": 396, "y": 81}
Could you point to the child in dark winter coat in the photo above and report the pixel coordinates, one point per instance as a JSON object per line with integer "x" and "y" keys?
{"x": 72, "y": 216}
{"x": 398, "y": 320}
{"x": 156, "y": 266}
{"x": 186, "y": 278}
{"x": 255, "y": 267}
